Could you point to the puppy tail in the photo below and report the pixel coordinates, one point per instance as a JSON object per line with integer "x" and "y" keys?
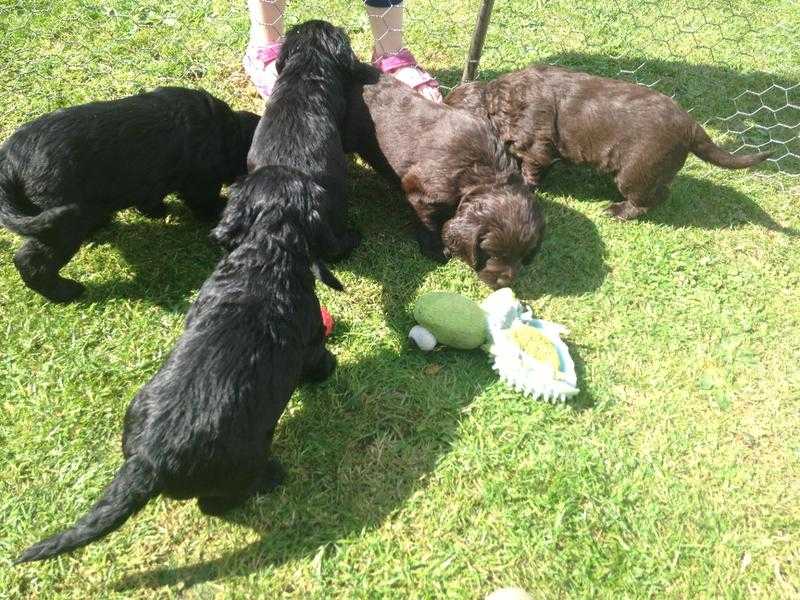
{"x": 14, "y": 219}
{"x": 133, "y": 486}
{"x": 707, "y": 150}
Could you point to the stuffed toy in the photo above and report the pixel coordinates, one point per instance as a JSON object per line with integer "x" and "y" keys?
{"x": 527, "y": 353}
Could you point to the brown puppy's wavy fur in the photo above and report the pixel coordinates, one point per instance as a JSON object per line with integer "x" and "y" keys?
{"x": 464, "y": 186}
{"x": 638, "y": 135}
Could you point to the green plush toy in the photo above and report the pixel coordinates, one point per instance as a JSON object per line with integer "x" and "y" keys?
{"x": 527, "y": 353}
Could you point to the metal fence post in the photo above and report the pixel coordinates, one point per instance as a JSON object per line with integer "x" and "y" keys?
{"x": 476, "y": 47}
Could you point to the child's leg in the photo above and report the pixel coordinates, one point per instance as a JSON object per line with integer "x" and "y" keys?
{"x": 266, "y": 33}
{"x": 386, "y": 21}
{"x": 266, "y": 21}
{"x": 390, "y": 55}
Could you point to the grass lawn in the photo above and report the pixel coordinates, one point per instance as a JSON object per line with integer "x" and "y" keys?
{"x": 675, "y": 473}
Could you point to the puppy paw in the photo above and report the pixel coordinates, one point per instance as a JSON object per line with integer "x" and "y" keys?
{"x": 64, "y": 290}
{"x": 352, "y": 239}
{"x": 625, "y": 211}
{"x": 345, "y": 244}
{"x": 214, "y": 506}
{"x": 323, "y": 369}
{"x": 272, "y": 477}
{"x": 533, "y": 183}
{"x": 431, "y": 246}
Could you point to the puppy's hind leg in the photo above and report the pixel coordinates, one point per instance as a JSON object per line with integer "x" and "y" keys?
{"x": 535, "y": 160}
{"x": 429, "y": 234}
{"x": 342, "y": 246}
{"x": 269, "y": 477}
{"x": 39, "y": 262}
{"x": 644, "y": 183}
{"x": 214, "y": 506}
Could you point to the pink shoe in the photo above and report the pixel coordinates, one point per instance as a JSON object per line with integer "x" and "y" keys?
{"x": 259, "y": 64}
{"x": 404, "y": 67}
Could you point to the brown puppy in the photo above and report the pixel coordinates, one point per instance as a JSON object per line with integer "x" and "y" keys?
{"x": 464, "y": 186}
{"x": 640, "y": 136}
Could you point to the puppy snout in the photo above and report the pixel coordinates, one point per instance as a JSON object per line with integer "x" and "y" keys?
{"x": 502, "y": 281}
{"x": 506, "y": 278}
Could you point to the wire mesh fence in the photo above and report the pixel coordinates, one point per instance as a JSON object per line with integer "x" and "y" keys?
{"x": 735, "y": 64}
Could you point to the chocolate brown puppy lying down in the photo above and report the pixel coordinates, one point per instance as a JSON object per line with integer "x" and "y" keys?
{"x": 640, "y": 136}
{"x": 464, "y": 186}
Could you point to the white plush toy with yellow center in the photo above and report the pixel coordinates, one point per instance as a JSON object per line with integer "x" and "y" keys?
{"x": 527, "y": 353}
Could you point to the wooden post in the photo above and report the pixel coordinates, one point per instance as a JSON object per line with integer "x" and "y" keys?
{"x": 476, "y": 47}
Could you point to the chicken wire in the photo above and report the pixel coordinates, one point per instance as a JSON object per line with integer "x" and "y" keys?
{"x": 739, "y": 55}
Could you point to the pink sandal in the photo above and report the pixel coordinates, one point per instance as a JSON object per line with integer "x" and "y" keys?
{"x": 259, "y": 64}
{"x": 404, "y": 67}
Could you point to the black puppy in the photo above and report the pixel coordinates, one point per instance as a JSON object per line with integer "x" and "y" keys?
{"x": 302, "y": 124}
{"x": 66, "y": 173}
{"x": 202, "y": 427}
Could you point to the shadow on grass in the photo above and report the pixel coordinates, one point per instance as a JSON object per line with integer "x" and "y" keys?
{"x": 571, "y": 261}
{"x": 355, "y": 449}
{"x": 169, "y": 259}
{"x": 699, "y": 203}
{"x": 692, "y": 202}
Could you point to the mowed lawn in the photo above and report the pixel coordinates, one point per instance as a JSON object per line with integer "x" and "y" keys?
{"x": 675, "y": 473}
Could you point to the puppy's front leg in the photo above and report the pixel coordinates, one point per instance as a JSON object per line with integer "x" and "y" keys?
{"x": 319, "y": 364}
{"x": 429, "y": 233}
{"x": 203, "y": 199}
{"x": 342, "y": 246}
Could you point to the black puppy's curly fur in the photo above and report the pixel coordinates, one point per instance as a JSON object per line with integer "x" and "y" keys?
{"x": 66, "y": 173}
{"x": 464, "y": 186}
{"x": 203, "y": 425}
{"x": 302, "y": 123}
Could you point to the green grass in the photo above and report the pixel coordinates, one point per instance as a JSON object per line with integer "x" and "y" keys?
{"x": 675, "y": 473}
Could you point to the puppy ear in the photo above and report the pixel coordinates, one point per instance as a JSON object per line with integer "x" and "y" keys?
{"x": 236, "y": 219}
{"x": 337, "y": 43}
{"x": 364, "y": 73}
{"x": 462, "y": 238}
{"x": 288, "y": 50}
{"x": 351, "y": 64}
{"x": 323, "y": 273}
{"x": 320, "y": 236}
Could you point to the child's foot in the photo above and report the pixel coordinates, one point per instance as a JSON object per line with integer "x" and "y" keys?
{"x": 259, "y": 64}
{"x": 404, "y": 67}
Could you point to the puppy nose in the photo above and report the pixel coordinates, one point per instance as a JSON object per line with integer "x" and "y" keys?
{"x": 505, "y": 279}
